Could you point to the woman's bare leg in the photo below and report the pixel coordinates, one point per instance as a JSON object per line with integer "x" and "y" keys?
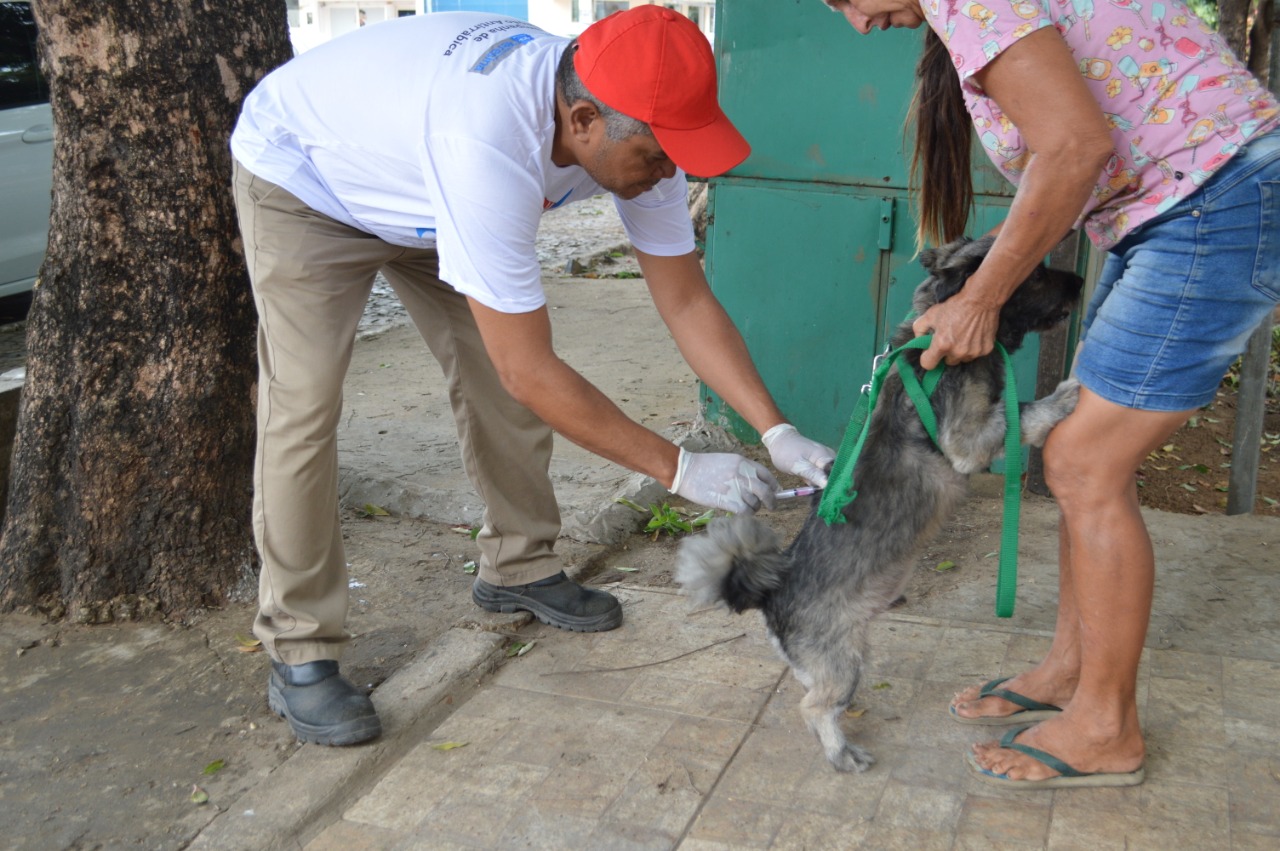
{"x": 1053, "y": 680}
{"x": 1090, "y": 461}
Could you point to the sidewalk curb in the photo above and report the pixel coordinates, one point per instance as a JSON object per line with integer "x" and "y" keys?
{"x": 316, "y": 784}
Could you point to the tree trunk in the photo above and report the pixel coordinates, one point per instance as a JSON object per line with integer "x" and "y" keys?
{"x": 1233, "y": 24}
{"x": 130, "y": 488}
{"x": 1264, "y": 19}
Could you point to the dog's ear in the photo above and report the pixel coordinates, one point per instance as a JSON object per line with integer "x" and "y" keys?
{"x": 929, "y": 259}
{"x": 933, "y": 259}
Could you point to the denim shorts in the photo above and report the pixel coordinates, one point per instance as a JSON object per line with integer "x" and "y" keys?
{"x": 1178, "y": 298}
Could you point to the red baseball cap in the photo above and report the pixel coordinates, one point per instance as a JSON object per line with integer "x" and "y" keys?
{"x": 654, "y": 65}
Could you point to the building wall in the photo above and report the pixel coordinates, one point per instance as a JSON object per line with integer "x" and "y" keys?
{"x": 312, "y": 22}
{"x": 510, "y": 8}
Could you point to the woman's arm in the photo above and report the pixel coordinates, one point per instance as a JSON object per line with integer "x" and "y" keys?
{"x": 1037, "y": 84}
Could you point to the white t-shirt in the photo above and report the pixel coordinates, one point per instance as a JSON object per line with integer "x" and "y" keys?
{"x": 436, "y": 131}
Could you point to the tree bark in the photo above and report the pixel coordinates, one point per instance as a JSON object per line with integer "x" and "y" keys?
{"x": 1264, "y": 20}
{"x": 131, "y": 480}
{"x": 1233, "y": 24}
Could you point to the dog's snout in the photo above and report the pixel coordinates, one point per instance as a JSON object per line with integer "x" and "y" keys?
{"x": 1071, "y": 284}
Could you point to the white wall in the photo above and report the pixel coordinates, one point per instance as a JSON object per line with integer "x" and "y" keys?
{"x": 312, "y": 22}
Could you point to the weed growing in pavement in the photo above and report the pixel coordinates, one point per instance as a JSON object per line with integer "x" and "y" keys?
{"x": 669, "y": 519}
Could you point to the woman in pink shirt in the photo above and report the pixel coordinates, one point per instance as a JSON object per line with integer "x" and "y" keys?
{"x": 1135, "y": 122}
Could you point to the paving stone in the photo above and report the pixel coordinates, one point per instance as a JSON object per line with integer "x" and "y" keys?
{"x": 739, "y": 822}
{"x": 350, "y": 836}
{"x": 992, "y": 823}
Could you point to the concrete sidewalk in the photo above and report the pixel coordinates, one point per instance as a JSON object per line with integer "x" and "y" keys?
{"x": 636, "y": 745}
{"x": 681, "y": 729}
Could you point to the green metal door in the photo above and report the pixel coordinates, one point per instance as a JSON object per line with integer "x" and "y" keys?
{"x": 810, "y": 242}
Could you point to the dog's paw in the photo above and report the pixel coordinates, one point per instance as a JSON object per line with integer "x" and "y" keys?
{"x": 1039, "y": 418}
{"x": 853, "y": 758}
{"x": 1066, "y": 395}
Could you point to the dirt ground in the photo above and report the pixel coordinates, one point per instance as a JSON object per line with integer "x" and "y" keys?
{"x": 1188, "y": 474}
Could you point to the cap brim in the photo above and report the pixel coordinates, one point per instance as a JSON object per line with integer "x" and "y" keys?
{"x": 707, "y": 151}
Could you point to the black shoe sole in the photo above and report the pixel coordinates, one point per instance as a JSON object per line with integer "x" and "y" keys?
{"x": 351, "y": 732}
{"x": 492, "y": 598}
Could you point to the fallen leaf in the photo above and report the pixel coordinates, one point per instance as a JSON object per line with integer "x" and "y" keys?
{"x": 198, "y": 795}
{"x": 448, "y": 746}
{"x": 215, "y": 766}
{"x": 371, "y": 510}
{"x": 248, "y": 641}
{"x": 879, "y": 686}
{"x": 627, "y": 569}
{"x": 855, "y": 713}
{"x": 945, "y": 565}
{"x": 469, "y": 568}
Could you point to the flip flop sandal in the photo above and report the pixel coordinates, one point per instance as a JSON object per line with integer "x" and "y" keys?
{"x": 1068, "y": 777}
{"x": 1032, "y": 710}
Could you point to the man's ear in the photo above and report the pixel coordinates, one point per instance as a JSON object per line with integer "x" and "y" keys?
{"x": 581, "y": 114}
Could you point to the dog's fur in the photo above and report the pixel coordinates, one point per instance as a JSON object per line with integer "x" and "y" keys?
{"x": 819, "y": 595}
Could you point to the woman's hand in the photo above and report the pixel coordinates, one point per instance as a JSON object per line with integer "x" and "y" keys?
{"x": 963, "y": 328}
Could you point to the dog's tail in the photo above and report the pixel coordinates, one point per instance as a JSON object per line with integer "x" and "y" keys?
{"x": 738, "y": 562}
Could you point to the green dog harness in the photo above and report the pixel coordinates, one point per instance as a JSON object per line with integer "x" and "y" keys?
{"x": 842, "y": 489}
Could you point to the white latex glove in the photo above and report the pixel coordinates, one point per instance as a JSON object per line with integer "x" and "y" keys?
{"x": 792, "y": 452}
{"x": 725, "y": 481}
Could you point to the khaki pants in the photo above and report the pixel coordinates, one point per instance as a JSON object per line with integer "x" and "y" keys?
{"x": 311, "y": 278}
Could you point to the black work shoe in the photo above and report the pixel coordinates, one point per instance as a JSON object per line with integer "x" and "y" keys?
{"x": 321, "y": 705}
{"x": 556, "y": 600}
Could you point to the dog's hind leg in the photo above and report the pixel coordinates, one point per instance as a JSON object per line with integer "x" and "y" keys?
{"x": 824, "y": 705}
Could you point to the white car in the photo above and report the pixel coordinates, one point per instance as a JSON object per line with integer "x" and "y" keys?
{"x": 26, "y": 151}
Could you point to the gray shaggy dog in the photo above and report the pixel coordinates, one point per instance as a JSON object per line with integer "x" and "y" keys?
{"x": 818, "y": 596}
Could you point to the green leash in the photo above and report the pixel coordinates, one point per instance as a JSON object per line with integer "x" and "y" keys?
{"x": 841, "y": 488}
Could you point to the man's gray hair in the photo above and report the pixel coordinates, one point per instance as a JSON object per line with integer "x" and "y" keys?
{"x": 617, "y": 126}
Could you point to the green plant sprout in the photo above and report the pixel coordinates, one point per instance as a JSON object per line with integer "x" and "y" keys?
{"x": 668, "y": 519}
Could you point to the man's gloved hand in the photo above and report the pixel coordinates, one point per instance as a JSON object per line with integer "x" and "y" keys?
{"x": 792, "y": 452}
{"x": 725, "y": 481}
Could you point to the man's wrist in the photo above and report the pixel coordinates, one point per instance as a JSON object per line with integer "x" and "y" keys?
{"x": 775, "y": 432}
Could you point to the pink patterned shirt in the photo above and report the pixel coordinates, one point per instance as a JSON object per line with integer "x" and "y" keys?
{"x": 1178, "y": 101}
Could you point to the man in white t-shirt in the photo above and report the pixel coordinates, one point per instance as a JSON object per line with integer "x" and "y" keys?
{"x": 428, "y": 148}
